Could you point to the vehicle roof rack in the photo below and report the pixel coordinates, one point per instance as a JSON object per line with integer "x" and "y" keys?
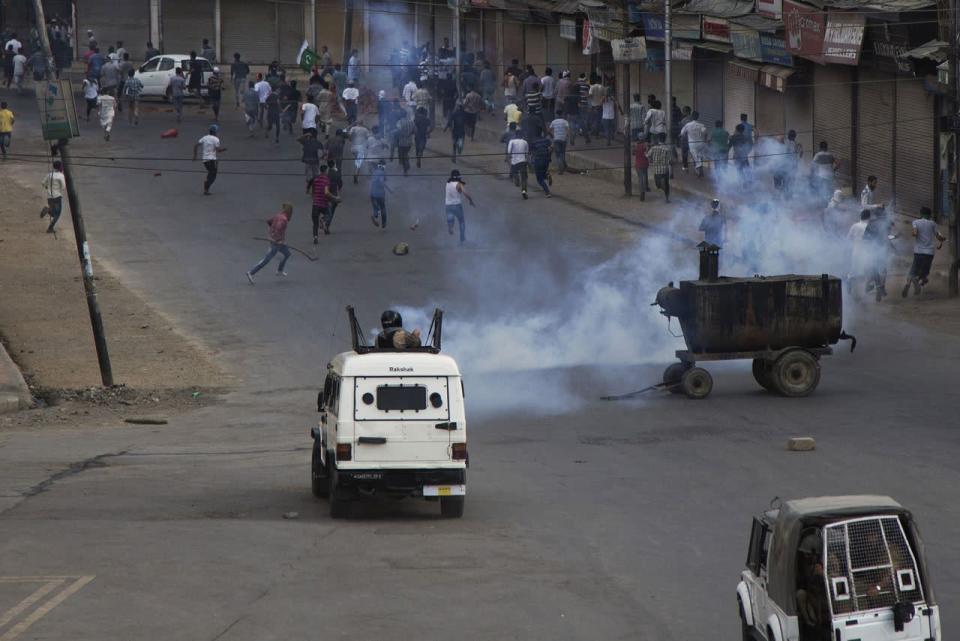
{"x": 431, "y": 344}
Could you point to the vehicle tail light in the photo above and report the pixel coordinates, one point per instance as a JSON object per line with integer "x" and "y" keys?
{"x": 344, "y": 451}
{"x": 459, "y": 451}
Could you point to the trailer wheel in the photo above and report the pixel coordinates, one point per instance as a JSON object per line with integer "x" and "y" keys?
{"x": 696, "y": 383}
{"x": 673, "y": 374}
{"x": 796, "y": 373}
{"x": 762, "y": 368}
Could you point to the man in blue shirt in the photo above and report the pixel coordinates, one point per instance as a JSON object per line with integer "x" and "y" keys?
{"x": 714, "y": 225}
{"x": 378, "y": 194}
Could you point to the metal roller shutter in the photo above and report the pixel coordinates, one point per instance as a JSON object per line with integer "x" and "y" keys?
{"x": 652, "y": 81}
{"x": 915, "y": 179}
{"x": 739, "y": 94}
{"x": 512, "y": 43}
{"x": 682, "y": 81}
{"x": 770, "y": 113}
{"x": 472, "y": 31}
{"x": 185, "y": 24}
{"x": 489, "y": 41}
{"x": 113, "y": 20}
{"x": 708, "y": 87}
{"x": 832, "y": 117}
{"x": 876, "y": 112}
{"x": 247, "y": 27}
{"x": 291, "y": 32}
{"x": 798, "y": 114}
{"x": 557, "y": 51}
{"x": 535, "y": 46}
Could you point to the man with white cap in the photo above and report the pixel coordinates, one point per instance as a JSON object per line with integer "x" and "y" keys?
{"x": 215, "y": 92}
{"x": 210, "y": 144}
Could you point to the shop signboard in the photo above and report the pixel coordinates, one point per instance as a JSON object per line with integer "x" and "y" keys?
{"x": 685, "y": 26}
{"x": 629, "y": 49}
{"x": 885, "y": 43}
{"x": 770, "y": 8}
{"x": 843, "y": 38}
{"x": 746, "y": 43}
{"x": 568, "y": 29}
{"x": 653, "y": 27}
{"x": 773, "y": 49}
{"x": 716, "y": 29}
{"x": 58, "y": 113}
{"x": 804, "y": 26}
{"x": 681, "y": 50}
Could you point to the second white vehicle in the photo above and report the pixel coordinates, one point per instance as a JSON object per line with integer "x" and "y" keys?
{"x": 155, "y": 73}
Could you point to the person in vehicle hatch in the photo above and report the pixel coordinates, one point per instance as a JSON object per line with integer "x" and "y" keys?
{"x": 394, "y": 335}
{"x": 812, "y": 607}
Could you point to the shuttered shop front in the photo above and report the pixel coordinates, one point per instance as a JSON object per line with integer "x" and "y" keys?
{"x": 248, "y": 27}
{"x": 113, "y": 20}
{"x": 739, "y": 93}
{"x": 291, "y": 32}
{"x": 832, "y": 117}
{"x": 876, "y": 112}
{"x": 708, "y": 85}
{"x": 185, "y": 24}
{"x": 915, "y": 180}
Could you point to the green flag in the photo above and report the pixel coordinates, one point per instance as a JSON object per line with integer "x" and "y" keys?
{"x": 307, "y": 57}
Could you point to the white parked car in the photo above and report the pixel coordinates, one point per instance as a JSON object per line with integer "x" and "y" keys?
{"x": 837, "y": 568}
{"x": 392, "y": 424}
{"x": 155, "y": 73}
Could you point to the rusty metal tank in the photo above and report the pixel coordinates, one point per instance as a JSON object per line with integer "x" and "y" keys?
{"x": 725, "y": 314}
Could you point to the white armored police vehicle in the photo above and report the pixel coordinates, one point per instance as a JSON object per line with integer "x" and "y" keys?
{"x": 392, "y": 421}
{"x": 843, "y": 568}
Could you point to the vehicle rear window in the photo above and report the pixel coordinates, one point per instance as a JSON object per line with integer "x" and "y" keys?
{"x": 394, "y": 397}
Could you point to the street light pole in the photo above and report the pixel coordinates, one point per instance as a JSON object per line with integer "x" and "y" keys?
{"x": 625, "y": 104}
{"x": 667, "y": 63}
{"x": 79, "y": 231}
{"x": 954, "y": 239}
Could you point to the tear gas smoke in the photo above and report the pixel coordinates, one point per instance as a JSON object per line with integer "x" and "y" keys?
{"x": 518, "y": 349}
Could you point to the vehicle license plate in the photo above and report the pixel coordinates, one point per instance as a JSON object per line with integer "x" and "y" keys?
{"x": 444, "y": 490}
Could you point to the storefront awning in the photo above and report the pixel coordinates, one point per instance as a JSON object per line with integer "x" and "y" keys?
{"x": 757, "y": 22}
{"x": 883, "y": 6}
{"x": 936, "y": 50}
{"x": 714, "y": 46}
{"x": 720, "y": 8}
{"x": 775, "y": 77}
{"x": 746, "y": 70}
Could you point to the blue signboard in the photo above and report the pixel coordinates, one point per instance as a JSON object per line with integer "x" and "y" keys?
{"x": 653, "y": 26}
{"x": 773, "y": 50}
{"x": 746, "y": 43}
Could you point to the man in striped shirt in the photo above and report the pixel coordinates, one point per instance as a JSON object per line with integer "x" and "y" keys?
{"x": 661, "y": 156}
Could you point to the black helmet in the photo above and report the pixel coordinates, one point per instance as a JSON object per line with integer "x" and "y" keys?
{"x": 390, "y": 319}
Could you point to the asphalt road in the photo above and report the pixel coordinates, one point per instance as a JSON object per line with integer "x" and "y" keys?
{"x": 585, "y": 519}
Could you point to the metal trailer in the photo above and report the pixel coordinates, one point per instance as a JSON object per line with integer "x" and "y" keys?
{"x": 784, "y": 324}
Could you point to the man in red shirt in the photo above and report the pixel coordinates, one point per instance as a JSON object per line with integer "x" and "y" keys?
{"x": 322, "y": 197}
{"x": 278, "y": 242}
{"x": 642, "y": 163}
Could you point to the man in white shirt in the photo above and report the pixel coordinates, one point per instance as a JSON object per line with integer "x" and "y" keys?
{"x": 407, "y": 94}
{"x": 925, "y": 233}
{"x": 54, "y": 185}
{"x": 358, "y": 135}
{"x": 19, "y": 68}
{"x": 107, "y": 108}
{"x": 655, "y": 122}
{"x": 868, "y": 197}
{"x": 559, "y": 129}
{"x": 822, "y": 168}
{"x": 263, "y": 90}
{"x": 698, "y": 139}
{"x": 210, "y": 146}
{"x": 517, "y": 150}
{"x": 308, "y": 117}
{"x": 353, "y": 66}
{"x": 350, "y": 96}
{"x": 859, "y": 254}
{"x": 548, "y": 88}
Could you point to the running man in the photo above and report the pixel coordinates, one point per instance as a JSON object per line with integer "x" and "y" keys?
{"x": 132, "y": 89}
{"x": 107, "y": 109}
{"x": 6, "y": 128}
{"x": 178, "y": 87}
{"x": 517, "y": 150}
{"x": 454, "y": 192}
{"x": 378, "y": 194}
{"x": 925, "y": 232}
{"x": 277, "y": 226}
{"x": 210, "y": 144}
{"x": 323, "y": 200}
{"x": 54, "y": 185}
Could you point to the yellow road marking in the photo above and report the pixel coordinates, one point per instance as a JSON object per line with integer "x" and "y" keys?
{"x": 44, "y": 609}
{"x": 27, "y": 603}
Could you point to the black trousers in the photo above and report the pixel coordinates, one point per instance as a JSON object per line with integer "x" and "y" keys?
{"x": 211, "y": 166}
{"x": 404, "y": 156}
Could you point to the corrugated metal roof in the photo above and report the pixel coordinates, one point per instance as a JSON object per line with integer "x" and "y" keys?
{"x": 720, "y": 8}
{"x": 937, "y": 50}
{"x": 758, "y": 22}
{"x": 888, "y": 6}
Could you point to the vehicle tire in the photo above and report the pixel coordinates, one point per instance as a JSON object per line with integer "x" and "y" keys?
{"x": 746, "y": 631}
{"x": 318, "y": 473}
{"x": 339, "y": 508}
{"x": 696, "y": 383}
{"x": 451, "y": 507}
{"x": 796, "y": 373}
{"x": 761, "y": 373}
{"x": 673, "y": 374}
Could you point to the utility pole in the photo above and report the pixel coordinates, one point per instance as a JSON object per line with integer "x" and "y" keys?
{"x": 625, "y": 104}
{"x": 432, "y": 77}
{"x": 954, "y": 239}
{"x": 79, "y": 230}
{"x": 667, "y": 64}
{"x": 347, "y": 34}
{"x": 457, "y": 45}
